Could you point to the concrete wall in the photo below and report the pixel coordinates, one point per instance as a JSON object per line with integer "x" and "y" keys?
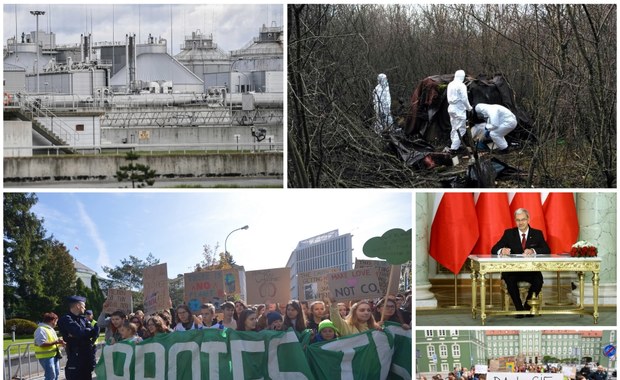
{"x": 188, "y": 135}
{"x": 102, "y": 167}
{"x": 17, "y": 133}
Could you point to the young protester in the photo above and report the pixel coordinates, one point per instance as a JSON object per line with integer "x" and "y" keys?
{"x": 294, "y": 317}
{"x": 186, "y": 320}
{"x": 167, "y": 319}
{"x": 391, "y": 313}
{"x": 129, "y": 332}
{"x": 112, "y": 324}
{"x": 360, "y": 318}
{"x": 207, "y": 311}
{"x": 228, "y": 309}
{"x": 247, "y": 320}
{"x": 156, "y": 326}
{"x": 140, "y": 329}
{"x": 327, "y": 331}
{"x": 274, "y": 321}
{"x": 342, "y": 309}
{"x": 239, "y": 307}
{"x": 317, "y": 314}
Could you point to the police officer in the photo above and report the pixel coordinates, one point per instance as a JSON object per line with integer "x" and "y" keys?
{"x": 80, "y": 337}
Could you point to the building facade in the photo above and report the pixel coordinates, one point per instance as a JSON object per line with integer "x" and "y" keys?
{"x": 328, "y": 250}
{"x": 439, "y": 351}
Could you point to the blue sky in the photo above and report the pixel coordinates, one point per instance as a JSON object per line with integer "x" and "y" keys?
{"x": 174, "y": 225}
{"x": 232, "y": 25}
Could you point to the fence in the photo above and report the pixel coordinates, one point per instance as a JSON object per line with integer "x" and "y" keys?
{"x": 20, "y": 362}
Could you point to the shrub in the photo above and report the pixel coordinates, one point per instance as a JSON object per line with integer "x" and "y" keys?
{"x": 22, "y": 326}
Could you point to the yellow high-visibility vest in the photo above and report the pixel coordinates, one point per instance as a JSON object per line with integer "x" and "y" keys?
{"x": 47, "y": 351}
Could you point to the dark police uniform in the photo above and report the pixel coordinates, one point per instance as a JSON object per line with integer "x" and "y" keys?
{"x": 80, "y": 337}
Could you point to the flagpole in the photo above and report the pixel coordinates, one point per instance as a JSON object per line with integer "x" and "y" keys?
{"x": 456, "y": 303}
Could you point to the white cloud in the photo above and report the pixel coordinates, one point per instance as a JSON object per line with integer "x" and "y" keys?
{"x": 103, "y": 259}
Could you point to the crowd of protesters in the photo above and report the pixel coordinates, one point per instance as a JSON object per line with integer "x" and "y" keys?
{"x": 470, "y": 373}
{"x": 326, "y": 319}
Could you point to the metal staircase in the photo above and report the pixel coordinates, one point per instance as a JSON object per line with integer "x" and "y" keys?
{"x": 61, "y": 133}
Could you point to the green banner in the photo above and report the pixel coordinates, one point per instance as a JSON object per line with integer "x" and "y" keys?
{"x": 230, "y": 354}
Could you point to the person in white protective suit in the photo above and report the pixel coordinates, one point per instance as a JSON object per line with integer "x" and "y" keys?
{"x": 382, "y": 103}
{"x": 499, "y": 122}
{"x": 458, "y": 105}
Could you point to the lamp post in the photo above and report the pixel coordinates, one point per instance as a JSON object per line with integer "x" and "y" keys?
{"x": 37, "y": 14}
{"x": 232, "y": 65}
{"x": 247, "y": 79}
{"x": 226, "y": 241}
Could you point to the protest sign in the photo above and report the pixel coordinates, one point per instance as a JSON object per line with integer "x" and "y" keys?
{"x": 354, "y": 284}
{"x": 216, "y": 354}
{"x": 524, "y": 376}
{"x": 155, "y": 288}
{"x": 118, "y": 299}
{"x": 232, "y": 285}
{"x": 269, "y": 286}
{"x": 481, "y": 368}
{"x": 383, "y": 273}
{"x": 313, "y": 285}
{"x": 202, "y": 287}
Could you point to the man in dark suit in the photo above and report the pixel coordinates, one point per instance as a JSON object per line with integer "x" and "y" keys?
{"x": 527, "y": 241}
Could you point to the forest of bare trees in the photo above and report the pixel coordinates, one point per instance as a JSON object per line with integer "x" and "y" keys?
{"x": 560, "y": 60}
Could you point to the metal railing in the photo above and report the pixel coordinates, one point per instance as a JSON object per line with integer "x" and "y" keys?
{"x": 37, "y": 111}
{"x": 21, "y": 363}
{"x": 266, "y": 145}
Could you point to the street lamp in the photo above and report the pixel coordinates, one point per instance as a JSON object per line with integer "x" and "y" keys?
{"x": 226, "y": 241}
{"x": 37, "y": 14}
{"x": 247, "y": 79}
{"x": 232, "y": 65}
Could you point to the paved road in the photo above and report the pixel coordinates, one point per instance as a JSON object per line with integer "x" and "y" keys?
{"x": 242, "y": 182}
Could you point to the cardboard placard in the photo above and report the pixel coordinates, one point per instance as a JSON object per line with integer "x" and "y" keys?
{"x": 119, "y": 299}
{"x": 232, "y": 285}
{"x": 269, "y": 286}
{"x": 524, "y": 376}
{"x": 354, "y": 284}
{"x": 202, "y": 287}
{"x": 383, "y": 273}
{"x": 481, "y": 368}
{"x": 156, "y": 291}
{"x": 313, "y": 285}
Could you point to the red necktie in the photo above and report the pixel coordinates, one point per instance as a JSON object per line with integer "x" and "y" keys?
{"x": 523, "y": 241}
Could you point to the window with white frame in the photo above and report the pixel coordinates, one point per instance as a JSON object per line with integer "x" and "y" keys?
{"x": 443, "y": 351}
{"x": 456, "y": 350}
{"x": 430, "y": 351}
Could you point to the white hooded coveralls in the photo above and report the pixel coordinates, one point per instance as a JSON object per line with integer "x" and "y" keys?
{"x": 500, "y": 122}
{"x": 382, "y": 103}
{"x": 458, "y": 104}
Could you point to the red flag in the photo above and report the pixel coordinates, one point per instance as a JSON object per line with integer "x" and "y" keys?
{"x": 532, "y": 203}
{"x": 562, "y": 222}
{"x": 494, "y": 217}
{"x": 454, "y": 231}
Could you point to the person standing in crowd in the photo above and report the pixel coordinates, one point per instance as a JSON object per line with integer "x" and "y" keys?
{"x": 326, "y": 331}
{"x": 274, "y": 321}
{"x": 47, "y": 346}
{"x": 405, "y": 310}
{"x": 343, "y": 309}
{"x": 90, "y": 317}
{"x": 239, "y": 307}
{"x": 247, "y": 320}
{"x": 294, "y": 317}
{"x": 186, "y": 320}
{"x": 228, "y": 309}
{"x": 112, "y": 324}
{"x": 360, "y": 318}
{"x": 156, "y": 326}
{"x": 599, "y": 374}
{"x": 305, "y": 308}
{"x": 140, "y": 329}
{"x": 129, "y": 333}
{"x": 317, "y": 314}
{"x": 80, "y": 337}
{"x": 207, "y": 310}
{"x": 167, "y": 319}
{"x": 391, "y": 313}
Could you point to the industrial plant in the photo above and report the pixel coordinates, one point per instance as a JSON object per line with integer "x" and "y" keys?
{"x": 203, "y": 112}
